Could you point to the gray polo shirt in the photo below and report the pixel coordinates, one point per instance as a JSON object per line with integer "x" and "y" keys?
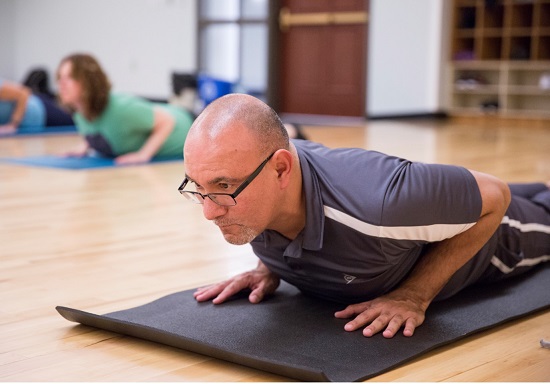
{"x": 368, "y": 218}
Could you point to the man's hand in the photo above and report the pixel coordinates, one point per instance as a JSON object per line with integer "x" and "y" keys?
{"x": 260, "y": 280}
{"x": 390, "y": 311}
{"x": 407, "y": 305}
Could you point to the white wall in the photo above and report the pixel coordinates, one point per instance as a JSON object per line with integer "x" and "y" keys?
{"x": 7, "y": 40}
{"x": 138, "y": 42}
{"x": 405, "y": 60}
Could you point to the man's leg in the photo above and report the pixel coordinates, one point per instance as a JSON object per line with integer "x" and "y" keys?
{"x": 524, "y": 235}
{"x": 527, "y": 190}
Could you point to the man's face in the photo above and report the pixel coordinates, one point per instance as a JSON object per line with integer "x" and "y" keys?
{"x": 222, "y": 169}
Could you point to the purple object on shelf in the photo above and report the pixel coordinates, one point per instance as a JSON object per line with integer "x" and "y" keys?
{"x": 465, "y": 55}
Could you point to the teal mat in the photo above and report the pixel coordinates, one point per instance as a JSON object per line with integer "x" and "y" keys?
{"x": 50, "y": 161}
{"x": 42, "y": 130}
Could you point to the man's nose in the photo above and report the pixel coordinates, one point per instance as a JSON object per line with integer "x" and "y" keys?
{"x": 211, "y": 210}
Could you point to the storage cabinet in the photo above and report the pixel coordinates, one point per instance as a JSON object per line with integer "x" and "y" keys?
{"x": 500, "y": 57}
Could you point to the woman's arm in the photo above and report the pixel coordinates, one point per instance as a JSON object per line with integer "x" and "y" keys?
{"x": 80, "y": 150}
{"x": 19, "y": 94}
{"x": 163, "y": 125}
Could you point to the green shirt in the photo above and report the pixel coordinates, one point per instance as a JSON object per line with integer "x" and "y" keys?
{"x": 127, "y": 122}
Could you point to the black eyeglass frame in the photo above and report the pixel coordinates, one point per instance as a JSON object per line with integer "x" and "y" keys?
{"x": 233, "y": 195}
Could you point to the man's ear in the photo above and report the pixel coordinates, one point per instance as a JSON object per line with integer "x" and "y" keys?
{"x": 284, "y": 161}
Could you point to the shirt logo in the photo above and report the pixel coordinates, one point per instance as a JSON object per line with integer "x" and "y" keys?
{"x": 349, "y": 278}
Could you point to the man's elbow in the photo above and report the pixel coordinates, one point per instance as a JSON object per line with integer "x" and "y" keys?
{"x": 498, "y": 196}
{"x": 495, "y": 194}
{"x": 506, "y": 196}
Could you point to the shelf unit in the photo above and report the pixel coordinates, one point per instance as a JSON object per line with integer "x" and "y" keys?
{"x": 500, "y": 58}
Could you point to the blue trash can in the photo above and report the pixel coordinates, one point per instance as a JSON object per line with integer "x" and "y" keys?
{"x": 211, "y": 88}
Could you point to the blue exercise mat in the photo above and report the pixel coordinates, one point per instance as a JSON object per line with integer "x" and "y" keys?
{"x": 42, "y": 130}
{"x": 50, "y": 161}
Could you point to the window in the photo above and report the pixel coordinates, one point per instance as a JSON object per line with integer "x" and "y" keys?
{"x": 233, "y": 43}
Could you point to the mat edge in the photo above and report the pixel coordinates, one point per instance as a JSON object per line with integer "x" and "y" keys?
{"x": 167, "y": 338}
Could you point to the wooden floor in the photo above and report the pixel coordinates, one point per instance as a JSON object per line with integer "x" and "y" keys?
{"x": 109, "y": 239}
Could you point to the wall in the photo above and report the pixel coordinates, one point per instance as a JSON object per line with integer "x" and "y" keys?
{"x": 138, "y": 42}
{"x": 7, "y": 40}
{"x": 406, "y": 57}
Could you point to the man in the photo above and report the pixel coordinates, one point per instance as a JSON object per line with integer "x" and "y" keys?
{"x": 385, "y": 235}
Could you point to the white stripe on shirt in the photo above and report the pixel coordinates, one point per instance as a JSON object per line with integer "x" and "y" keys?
{"x": 434, "y": 232}
{"x": 526, "y": 227}
{"x": 523, "y": 263}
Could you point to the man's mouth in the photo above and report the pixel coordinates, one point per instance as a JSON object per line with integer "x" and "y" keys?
{"x": 223, "y": 225}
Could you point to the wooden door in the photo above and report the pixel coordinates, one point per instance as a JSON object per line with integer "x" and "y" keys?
{"x": 321, "y": 57}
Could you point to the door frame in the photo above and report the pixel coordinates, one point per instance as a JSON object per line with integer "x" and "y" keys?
{"x": 273, "y": 94}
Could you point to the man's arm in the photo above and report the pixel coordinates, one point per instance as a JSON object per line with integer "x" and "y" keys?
{"x": 407, "y": 304}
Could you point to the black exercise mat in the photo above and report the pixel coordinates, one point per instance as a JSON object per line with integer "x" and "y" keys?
{"x": 297, "y": 336}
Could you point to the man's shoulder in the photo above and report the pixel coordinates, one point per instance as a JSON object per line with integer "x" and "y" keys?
{"x": 352, "y": 165}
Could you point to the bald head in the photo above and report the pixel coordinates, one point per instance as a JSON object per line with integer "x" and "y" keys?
{"x": 239, "y": 146}
{"x": 240, "y": 119}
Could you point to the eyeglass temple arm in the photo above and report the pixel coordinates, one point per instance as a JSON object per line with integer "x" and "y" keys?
{"x": 251, "y": 177}
{"x": 183, "y": 184}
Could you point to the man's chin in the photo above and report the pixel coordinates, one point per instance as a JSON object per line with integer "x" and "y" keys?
{"x": 235, "y": 240}
{"x": 239, "y": 238}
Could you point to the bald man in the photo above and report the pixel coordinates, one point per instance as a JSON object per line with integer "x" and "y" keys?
{"x": 382, "y": 234}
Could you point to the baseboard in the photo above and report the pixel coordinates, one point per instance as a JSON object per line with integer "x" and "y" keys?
{"x": 307, "y": 119}
{"x": 424, "y": 115}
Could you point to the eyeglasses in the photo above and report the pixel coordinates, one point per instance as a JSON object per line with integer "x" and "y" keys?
{"x": 223, "y": 199}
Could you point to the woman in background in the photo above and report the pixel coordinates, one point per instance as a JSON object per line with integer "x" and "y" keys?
{"x": 128, "y": 128}
{"x": 19, "y": 107}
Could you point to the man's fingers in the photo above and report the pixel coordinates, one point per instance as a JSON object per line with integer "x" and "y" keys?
{"x": 410, "y": 327}
{"x": 210, "y": 291}
{"x": 207, "y": 293}
{"x": 376, "y": 325}
{"x": 364, "y": 316}
{"x": 393, "y": 327}
{"x": 361, "y": 320}
{"x": 256, "y": 295}
{"x": 377, "y": 322}
{"x": 231, "y": 289}
{"x": 351, "y": 310}
{"x": 259, "y": 282}
{"x": 263, "y": 288}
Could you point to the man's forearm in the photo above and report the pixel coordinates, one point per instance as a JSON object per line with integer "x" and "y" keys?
{"x": 443, "y": 259}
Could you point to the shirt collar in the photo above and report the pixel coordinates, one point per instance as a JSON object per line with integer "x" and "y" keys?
{"x": 315, "y": 217}
{"x": 311, "y": 237}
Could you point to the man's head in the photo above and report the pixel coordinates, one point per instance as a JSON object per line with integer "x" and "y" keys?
{"x": 230, "y": 140}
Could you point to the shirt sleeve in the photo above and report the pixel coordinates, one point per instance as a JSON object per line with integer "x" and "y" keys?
{"x": 430, "y": 202}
